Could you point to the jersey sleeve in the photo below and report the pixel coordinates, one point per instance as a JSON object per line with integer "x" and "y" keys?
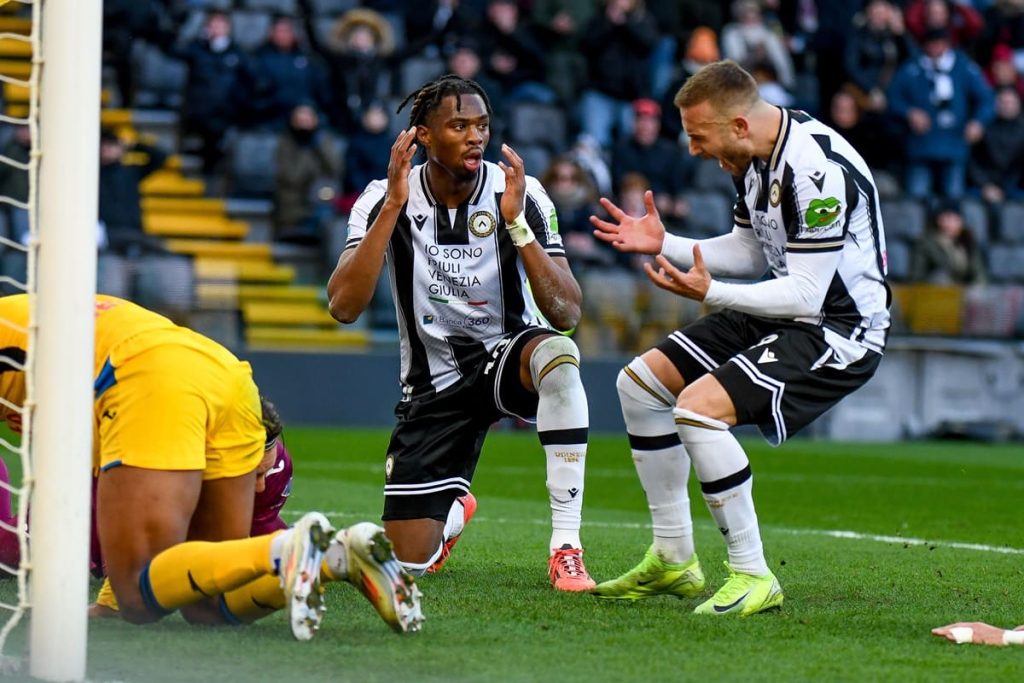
{"x": 818, "y": 205}
{"x": 364, "y": 212}
{"x": 542, "y": 217}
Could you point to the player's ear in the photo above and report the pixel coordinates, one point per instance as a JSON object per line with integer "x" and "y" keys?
{"x": 740, "y": 127}
{"x": 423, "y": 135}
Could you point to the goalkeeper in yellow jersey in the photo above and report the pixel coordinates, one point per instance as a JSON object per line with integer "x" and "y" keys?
{"x": 178, "y": 442}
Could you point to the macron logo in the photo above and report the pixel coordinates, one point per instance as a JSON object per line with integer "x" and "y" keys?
{"x": 767, "y": 357}
{"x": 420, "y": 220}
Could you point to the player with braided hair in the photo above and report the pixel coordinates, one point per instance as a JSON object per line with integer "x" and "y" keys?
{"x": 485, "y": 299}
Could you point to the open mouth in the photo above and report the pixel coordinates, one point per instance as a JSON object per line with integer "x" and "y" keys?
{"x": 472, "y": 160}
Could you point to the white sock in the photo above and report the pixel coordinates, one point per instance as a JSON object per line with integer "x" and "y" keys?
{"x": 277, "y": 548}
{"x": 456, "y": 520}
{"x": 563, "y": 422}
{"x": 661, "y": 460}
{"x": 421, "y": 569}
{"x": 727, "y": 484}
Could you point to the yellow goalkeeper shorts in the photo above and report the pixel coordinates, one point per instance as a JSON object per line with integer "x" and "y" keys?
{"x": 186, "y": 404}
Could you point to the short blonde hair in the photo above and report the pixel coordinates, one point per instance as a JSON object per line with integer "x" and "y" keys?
{"x": 725, "y": 85}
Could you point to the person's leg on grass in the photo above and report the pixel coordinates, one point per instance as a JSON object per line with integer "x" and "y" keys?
{"x": 550, "y": 367}
{"x": 704, "y": 413}
{"x": 647, "y": 389}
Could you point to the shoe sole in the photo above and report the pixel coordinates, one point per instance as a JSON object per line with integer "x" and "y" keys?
{"x": 305, "y": 598}
{"x": 382, "y": 572}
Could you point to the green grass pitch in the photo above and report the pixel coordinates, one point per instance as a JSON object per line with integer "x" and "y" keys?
{"x": 857, "y": 608}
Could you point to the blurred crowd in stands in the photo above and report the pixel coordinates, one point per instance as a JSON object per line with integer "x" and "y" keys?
{"x": 295, "y": 101}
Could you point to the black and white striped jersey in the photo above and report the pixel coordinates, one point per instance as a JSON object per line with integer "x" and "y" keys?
{"x": 456, "y": 278}
{"x": 816, "y": 194}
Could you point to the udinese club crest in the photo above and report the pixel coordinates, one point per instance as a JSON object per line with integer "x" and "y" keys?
{"x": 775, "y": 193}
{"x": 482, "y": 223}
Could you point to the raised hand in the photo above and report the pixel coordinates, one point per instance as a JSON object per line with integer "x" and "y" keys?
{"x": 643, "y": 235}
{"x": 402, "y": 153}
{"x": 692, "y": 284}
{"x": 513, "y": 201}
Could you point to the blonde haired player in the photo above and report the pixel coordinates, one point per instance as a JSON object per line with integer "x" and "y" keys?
{"x": 178, "y": 440}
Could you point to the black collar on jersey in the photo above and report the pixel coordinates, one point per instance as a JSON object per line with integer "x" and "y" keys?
{"x": 780, "y": 142}
{"x": 474, "y": 196}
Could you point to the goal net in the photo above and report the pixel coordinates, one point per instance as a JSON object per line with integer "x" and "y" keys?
{"x": 50, "y": 74}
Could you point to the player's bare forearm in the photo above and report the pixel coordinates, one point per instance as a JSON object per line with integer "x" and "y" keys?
{"x": 554, "y": 288}
{"x": 354, "y": 279}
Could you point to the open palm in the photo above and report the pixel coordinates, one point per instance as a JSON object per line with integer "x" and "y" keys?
{"x": 643, "y": 235}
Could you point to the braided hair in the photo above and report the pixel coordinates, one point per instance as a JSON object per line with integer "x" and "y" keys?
{"x": 428, "y": 97}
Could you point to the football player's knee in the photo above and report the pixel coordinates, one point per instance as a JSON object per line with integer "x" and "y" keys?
{"x": 696, "y": 427}
{"x": 555, "y": 365}
{"x": 134, "y": 609}
{"x": 639, "y": 388}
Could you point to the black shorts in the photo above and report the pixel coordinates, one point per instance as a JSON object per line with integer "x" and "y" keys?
{"x": 436, "y": 444}
{"x": 780, "y": 374}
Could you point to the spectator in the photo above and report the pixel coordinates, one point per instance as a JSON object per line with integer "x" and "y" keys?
{"x": 280, "y": 76}
{"x": 662, "y": 162}
{"x": 575, "y": 200}
{"x": 14, "y": 183}
{"x": 749, "y": 41}
{"x": 947, "y": 253}
{"x": 873, "y": 142}
{"x": 1002, "y": 72}
{"x": 701, "y": 49}
{"x": 962, "y": 22}
{"x": 768, "y": 86}
{"x": 124, "y": 21}
{"x": 513, "y": 57}
{"x": 588, "y": 154}
{"x": 946, "y": 103}
{"x": 359, "y": 63}
{"x": 561, "y": 24}
{"x": 367, "y": 154}
{"x": 996, "y": 160}
{"x": 210, "y": 104}
{"x": 1004, "y": 25}
{"x": 617, "y": 45}
{"x": 439, "y": 25}
{"x": 874, "y": 51}
{"x": 120, "y": 203}
{"x": 308, "y": 167}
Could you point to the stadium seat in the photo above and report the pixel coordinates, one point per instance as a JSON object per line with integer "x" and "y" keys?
{"x": 710, "y": 212}
{"x": 537, "y": 124}
{"x": 708, "y": 176}
{"x": 382, "y": 306}
{"x": 161, "y": 79}
{"x": 164, "y": 283}
{"x": 323, "y": 8}
{"x": 286, "y": 7}
{"x": 249, "y": 29}
{"x": 898, "y": 257}
{"x": 992, "y": 311}
{"x": 536, "y": 158}
{"x": 113, "y": 275}
{"x": 1006, "y": 263}
{"x": 254, "y": 164}
{"x": 1011, "y": 223}
{"x": 904, "y": 218}
{"x": 975, "y": 215}
{"x": 416, "y": 71}
{"x": 931, "y": 309}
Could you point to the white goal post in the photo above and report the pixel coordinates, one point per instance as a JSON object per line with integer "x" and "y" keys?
{"x": 64, "y": 101}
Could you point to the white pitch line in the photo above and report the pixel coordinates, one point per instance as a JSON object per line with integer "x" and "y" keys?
{"x": 829, "y": 533}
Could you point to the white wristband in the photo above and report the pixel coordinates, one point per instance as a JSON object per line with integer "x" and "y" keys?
{"x": 1013, "y": 637}
{"x": 519, "y": 231}
{"x": 962, "y": 634}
